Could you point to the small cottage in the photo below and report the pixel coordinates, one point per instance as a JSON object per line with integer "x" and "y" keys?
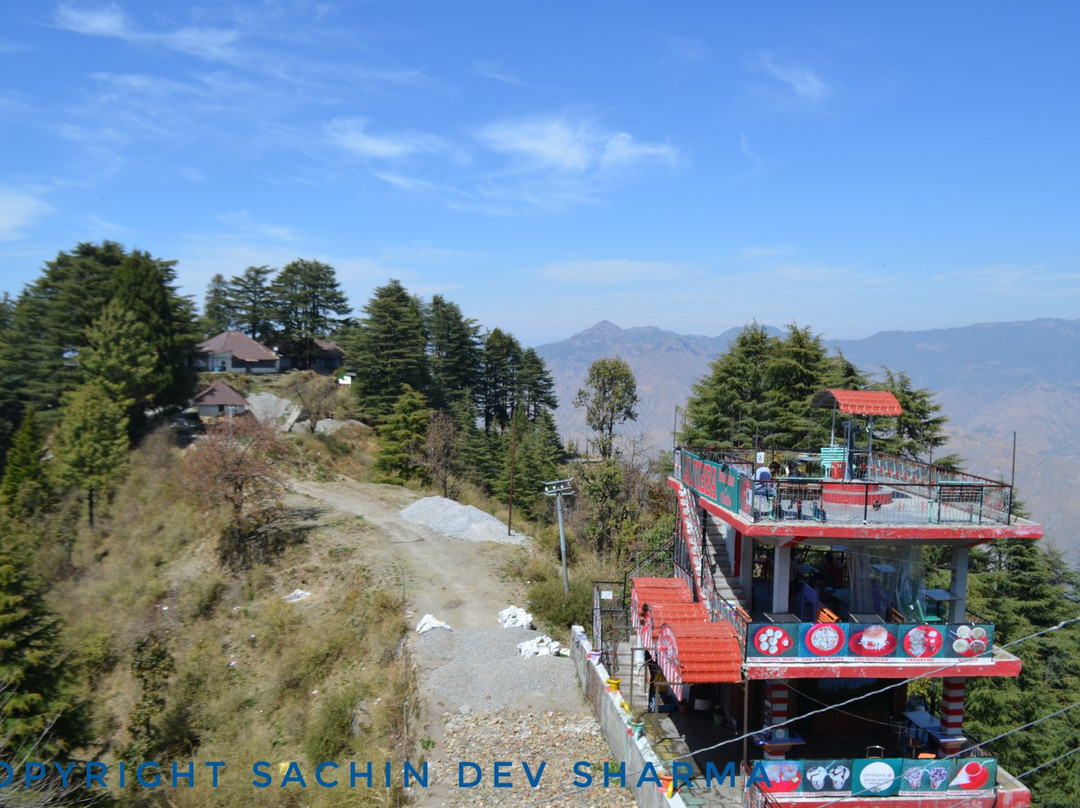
{"x": 220, "y": 399}
{"x": 235, "y": 352}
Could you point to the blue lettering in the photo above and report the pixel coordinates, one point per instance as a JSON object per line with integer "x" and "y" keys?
{"x": 262, "y": 776}
{"x": 354, "y": 775}
{"x": 649, "y": 775}
{"x": 386, "y": 774}
{"x": 680, "y": 774}
{"x": 64, "y": 773}
{"x": 501, "y": 776}
{"x": 318, "y": 773}
{"x": 188, "y": 775}
{"x": 92, "y": 778}
{"x": 711, "y": 772}
{"x": 608, "y": 773}
{"x": 214, "y": 766}
{"x": 33, "y": 766}
{"x": 583, "y": 770}
{"x": 533, "y": 781}
{"x": 420, "y": 776}
{"x": 461, "y": 774}
{"x": 139, "y": 775}
{"x": 10, "y": 774}
{"x": 293, "y": 775}
{"x": 759, "y": 776}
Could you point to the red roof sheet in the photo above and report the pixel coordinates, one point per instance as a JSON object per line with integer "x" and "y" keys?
{"x": 219, "y": 393}
{"x": 675, "y": 614}
{"x": 240, "y": 345}
{"x": 859, "y": 402}
{"x": 706, "y": 653}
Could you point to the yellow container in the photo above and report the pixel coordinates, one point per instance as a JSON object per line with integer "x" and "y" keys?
{"x": 613, "y": 684}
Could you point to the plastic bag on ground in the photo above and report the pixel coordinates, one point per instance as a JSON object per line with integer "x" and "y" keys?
{"x": 428, "y": 622}
{"x": 539, "y": 646}
{"x": 515, "y": 617}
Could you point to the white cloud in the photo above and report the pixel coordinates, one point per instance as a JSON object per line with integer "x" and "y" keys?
{"x": 351, "y": 134}
{"x": 494, "y": 71}
{"x": 243, "y": 223}
{"x": 803, "y": 81}
{"x": 110, "y": 21}
{"x": 18, "y": 210}
{"x": 571, "y": 146}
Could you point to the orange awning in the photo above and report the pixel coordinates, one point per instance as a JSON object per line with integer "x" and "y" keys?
{"x": 859, "y": 402}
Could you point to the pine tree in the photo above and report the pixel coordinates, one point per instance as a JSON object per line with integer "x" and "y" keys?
{"x": 497, "y": 387}
{"x": 218, "y": 312}
{"x": 453, "y": 351}
{"x": 795, "y": 372}
{"x": 729, "y": 407}
{"x": 387, "y": 349}
{"x": 120, "y": 354}
{"x": 35, "y": 715}
{"x": 91, "y": 443}
{"x": 252, "y": 302}
{"x": 145, "y": 287}
{"x": 919, "y": 430}
{"x": 25, "y": 488}
{"x": 536, "y": 388}
{"x": 307, "y": 293}
{"x": 402, "y": 436}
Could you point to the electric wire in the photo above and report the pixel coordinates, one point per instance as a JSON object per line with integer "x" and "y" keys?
{"x": 747, "y": 735}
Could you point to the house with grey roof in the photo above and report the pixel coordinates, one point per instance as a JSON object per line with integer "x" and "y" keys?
{"x": 235, "y": 352}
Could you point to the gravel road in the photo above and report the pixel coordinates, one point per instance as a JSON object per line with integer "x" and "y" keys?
{"x": 483, "y": 701}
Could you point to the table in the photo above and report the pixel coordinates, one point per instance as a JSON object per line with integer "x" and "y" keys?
{"x": 926, "y": 725}
{"x": 941, "y": 598}
{"x": 777, "y": 746}
{"x": 782, "y": 617}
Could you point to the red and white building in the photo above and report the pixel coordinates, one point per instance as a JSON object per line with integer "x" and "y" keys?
{"x": 839, "y": 580}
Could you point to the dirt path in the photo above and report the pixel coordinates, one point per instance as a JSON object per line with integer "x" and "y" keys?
{"x": 482, "y": 701}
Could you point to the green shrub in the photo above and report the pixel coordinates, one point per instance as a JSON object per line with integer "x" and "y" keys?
{"x": 328, "y": 735}
{"x": 548, "y": 603}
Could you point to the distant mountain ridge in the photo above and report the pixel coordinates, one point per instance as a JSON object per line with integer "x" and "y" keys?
{"x": 991, "y": 379}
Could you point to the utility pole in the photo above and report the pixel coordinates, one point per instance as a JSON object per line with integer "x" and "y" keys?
{"x": 559, "y": 489}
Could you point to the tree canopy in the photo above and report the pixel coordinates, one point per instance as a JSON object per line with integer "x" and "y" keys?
{"x": 610, "y": 398}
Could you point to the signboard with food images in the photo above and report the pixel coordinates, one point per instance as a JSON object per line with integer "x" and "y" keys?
{"x": 819, "y": 641}
{"x": 969, "y": 640}
{"x": 879, "y": 777}
{"x": 829, "y": 778}
{"x": 970, "y": 775}
{"x": 924, "y": 777}
{"x": 785, "y": 776}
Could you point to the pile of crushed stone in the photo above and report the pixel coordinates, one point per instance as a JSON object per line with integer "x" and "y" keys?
{"x": 460, "y": 521}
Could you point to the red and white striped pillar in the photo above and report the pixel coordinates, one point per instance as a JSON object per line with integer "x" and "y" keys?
{"x": 776, "y": 710}
{"x": 952, "y": 705}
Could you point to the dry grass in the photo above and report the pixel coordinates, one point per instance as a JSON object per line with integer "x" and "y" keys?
{"x": 256, "y": 679}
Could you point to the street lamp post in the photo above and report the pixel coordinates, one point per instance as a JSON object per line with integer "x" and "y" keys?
{"x": 559, "y": 489}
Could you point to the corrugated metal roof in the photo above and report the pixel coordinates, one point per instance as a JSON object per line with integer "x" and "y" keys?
{"x": 675, "y": 614}
{"x": 678, "y": 588}
{"x": 240, "y": 345}
{"x": 706, "y": 653}
{"x": 218, "y": 394}
{"x": 859, "y": 402}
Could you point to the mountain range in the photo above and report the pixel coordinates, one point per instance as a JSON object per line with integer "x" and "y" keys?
{"x": 992, "y": 380}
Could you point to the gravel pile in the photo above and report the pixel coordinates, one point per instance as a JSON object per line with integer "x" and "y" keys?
{"x": 460, "y": 521}
{"x": 558, "y": 737}
{"x": 271, "y": 409}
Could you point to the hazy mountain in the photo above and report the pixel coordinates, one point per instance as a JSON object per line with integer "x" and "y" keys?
{"x": 991, "y": 379}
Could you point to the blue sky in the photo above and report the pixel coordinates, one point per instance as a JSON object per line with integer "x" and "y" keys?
{"x": 854, "y": 167}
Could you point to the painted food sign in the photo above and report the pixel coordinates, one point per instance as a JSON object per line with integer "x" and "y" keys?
{"x": 827, "y": 777}
{"x": 854, "y": 641}
{"x": 955, "y": 777}
{"x": 880, "y": 777}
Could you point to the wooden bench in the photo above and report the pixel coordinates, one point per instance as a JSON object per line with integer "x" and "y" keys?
{"x": 827, "y": 615}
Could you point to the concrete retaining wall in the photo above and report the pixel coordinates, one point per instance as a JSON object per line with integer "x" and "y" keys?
{"x": 614, "y": 722}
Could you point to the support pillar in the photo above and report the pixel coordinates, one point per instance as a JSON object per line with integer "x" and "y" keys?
{"x": 958, "y": 585}
{"x": 952, "y": 705}
{"x": 781, "y": 579}
{"x": 776, "y": 712}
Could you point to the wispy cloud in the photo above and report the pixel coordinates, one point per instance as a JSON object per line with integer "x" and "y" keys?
{"x": 111, "y": 21}
{"x": 755, "y": 161}
{"x": 566, "y": 145}
{"x": 351, "y": 134}
{"x": 802, "y": 81}
{"x": 765, "y": 251}
{"x": 18, "y": 211}
{"x": 615, "y": 272}
{"x": 495, "y": 72}
{"x": 243, "y": 223}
